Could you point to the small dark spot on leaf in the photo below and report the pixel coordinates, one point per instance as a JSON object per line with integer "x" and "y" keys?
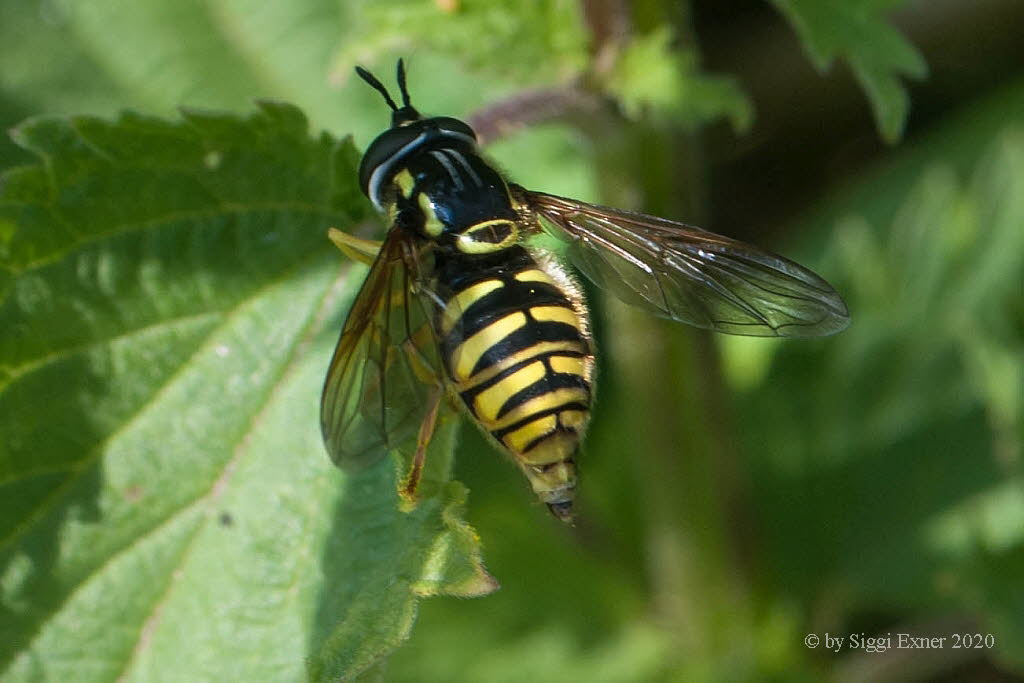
{"x": 226, "y": 519}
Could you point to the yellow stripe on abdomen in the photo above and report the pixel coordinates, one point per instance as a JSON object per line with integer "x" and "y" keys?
{"x": 569, "y": 365}
{"x": 543, "y": 403}
{"x": 526, "y": 376}
{"x": 488, "y": 402}
{"x": 460, "y": 302}
{"x": 466, "y": 355}
{"x": 535, "y": 275}
{"x": 507, "y": 362}
{"x": 520, "y": 438}
{"x": 558, "y": 314}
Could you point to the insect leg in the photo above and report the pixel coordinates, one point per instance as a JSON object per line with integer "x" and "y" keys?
{"x": 412, "y": 479}
{"x": 356, "y": 248}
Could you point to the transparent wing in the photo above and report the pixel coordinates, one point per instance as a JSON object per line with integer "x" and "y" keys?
{"x": 687, "y": 274}
{"x": 386, "y": 363}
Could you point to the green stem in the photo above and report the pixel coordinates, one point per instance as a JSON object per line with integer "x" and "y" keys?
{"x": 675, "y": 416}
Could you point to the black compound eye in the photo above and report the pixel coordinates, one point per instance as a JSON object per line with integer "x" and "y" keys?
{"x": 386, "y": 155}
{"x": 384, "y": 148}
{"x": 447, "y": 124}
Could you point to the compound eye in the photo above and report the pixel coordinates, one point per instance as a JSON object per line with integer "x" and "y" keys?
{"x": 383, "y": 151}
{"x": 453, "y": 125}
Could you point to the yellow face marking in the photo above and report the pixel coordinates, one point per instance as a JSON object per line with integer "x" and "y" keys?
{"x": 568, "y": 365}
{"x": 488, "y": 236}
{"x": 535, "y": 275}
{"x": 432, "y": 225}
{"x": 528, "y": 433}
{"x": 489, "y": 401}
{"x": 558, "y": 314}
{"x": 573, "y": 419}
{"x": 405, "y": 182}
{"x": 516, "y": 358}
{"x": 547, "y": 401}
{"x": 461, "y": 301}
{"x": 466, "y": 355}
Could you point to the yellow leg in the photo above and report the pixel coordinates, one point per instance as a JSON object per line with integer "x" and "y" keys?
{"x": 412, "y": 479}
{"x": 364, "y": 251}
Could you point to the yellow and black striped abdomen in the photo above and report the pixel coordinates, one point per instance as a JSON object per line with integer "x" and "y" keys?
{"x": 518, "y": 352}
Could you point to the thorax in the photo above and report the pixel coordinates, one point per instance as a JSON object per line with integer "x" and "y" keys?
{"x": 452, "y": 197}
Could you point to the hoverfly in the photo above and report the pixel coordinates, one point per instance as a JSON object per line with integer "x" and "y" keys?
{"x": 463, "y": 305}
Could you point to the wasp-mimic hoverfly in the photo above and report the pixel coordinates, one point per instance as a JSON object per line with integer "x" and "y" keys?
{"x": 462, "y": 304}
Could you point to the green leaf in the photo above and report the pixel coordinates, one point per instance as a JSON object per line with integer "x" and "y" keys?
{"x": 894, "y": 446}
{"x": 535, "y": 41}
{"x": 378, "y": 564}
{"x": 105, "y": 55}
{"x": 877, "y": 53}
{"x": 169, "y": 304}
{"x": 652, "y": 74}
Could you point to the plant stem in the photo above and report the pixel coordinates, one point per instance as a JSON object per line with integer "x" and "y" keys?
{"x": 674, "y": 414}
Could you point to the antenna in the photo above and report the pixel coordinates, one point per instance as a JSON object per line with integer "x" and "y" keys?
{"x": 401, "y": 83}
{"x": 379, "y": 87}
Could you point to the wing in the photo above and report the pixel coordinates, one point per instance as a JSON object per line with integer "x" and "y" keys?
{"x": 386, "y": 363}
{"x": 687, "y": 274}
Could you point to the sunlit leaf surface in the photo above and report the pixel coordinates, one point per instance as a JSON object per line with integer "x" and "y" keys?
{"x": 169, "y": 302}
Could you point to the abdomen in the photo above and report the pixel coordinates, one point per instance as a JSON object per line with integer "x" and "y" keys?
{"x": 516, "y": 344}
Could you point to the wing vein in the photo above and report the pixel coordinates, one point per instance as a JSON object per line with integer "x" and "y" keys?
{"x": 688, "y": 274}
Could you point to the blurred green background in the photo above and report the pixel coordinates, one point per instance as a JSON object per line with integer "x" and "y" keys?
{"x": 737, "y": 494}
